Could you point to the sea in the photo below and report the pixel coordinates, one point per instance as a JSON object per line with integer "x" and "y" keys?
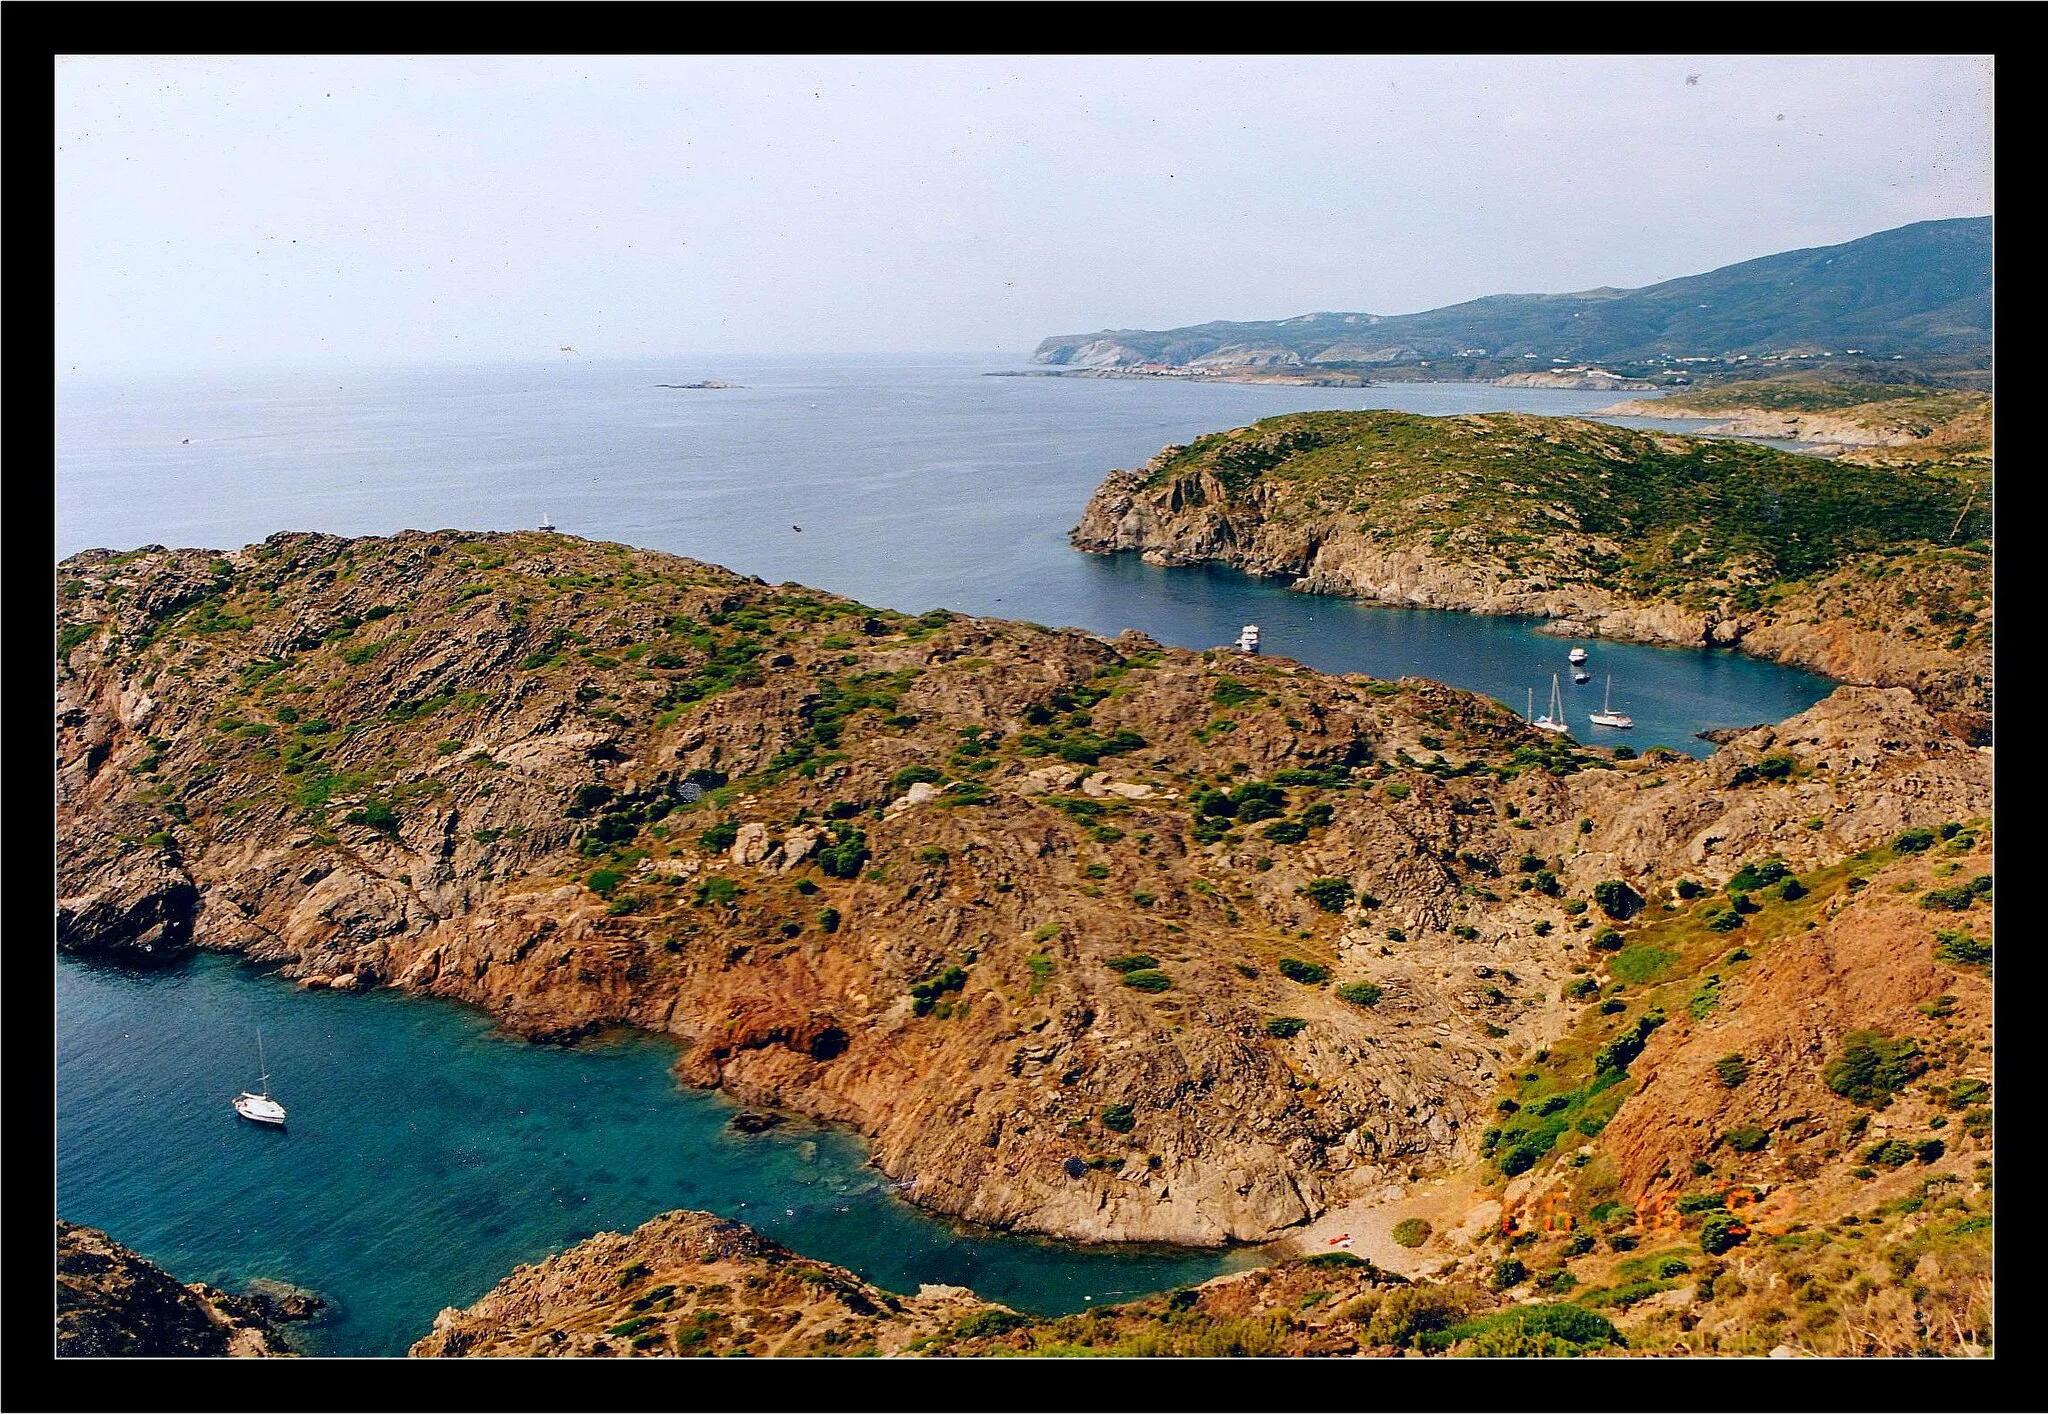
{"x": 427, "y": 1155}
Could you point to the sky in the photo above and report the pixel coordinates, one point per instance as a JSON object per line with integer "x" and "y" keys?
{"x": 225, "y": 212}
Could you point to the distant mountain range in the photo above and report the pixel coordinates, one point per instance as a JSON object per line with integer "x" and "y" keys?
{"x": 1918, "y": 290}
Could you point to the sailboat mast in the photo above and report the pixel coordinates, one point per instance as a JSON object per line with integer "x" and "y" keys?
{"x": 261, "y": 1065}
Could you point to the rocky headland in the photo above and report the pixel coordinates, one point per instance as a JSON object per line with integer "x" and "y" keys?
{"x": 1869, "y": 575}
{"x": 111, "y": 1301}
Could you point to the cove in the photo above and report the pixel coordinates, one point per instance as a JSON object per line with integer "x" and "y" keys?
{"x": 1672, "y": 693}
{"x": 427, "y": 1155}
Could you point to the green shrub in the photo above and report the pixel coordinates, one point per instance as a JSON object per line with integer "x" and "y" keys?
{"x": 912, "y": 775}
{"x": 1732, "y": 1069}
{"x": 1791, "y": 890}
{"x": 1095, "y": 870}
{"x": 1617, "y": 899}
{"x": 1411, "y": 1232}
{"x": 1913, "y": 841}
{"x": 1130, "y": 962}
{"x": 1121, "y": 1118}
{"x": 1507, "y": 1272}
{"x": 1281, "y": 1027}
{"x": 932, "y": 854}
{"x": 1607, "y": 940}
{"x": 989, "y": 1322}
{"x": 1394, "y": 790}
{"x": 1720, "y": 1232}
{"x": 1619, "y": 1053}
{"x": 1961, "y": 950}
{"x": 603, "y": 881}
{"x": 1580, "y": 989}
{"x": 1041, "y": 967}
{"x": 1528, "y": 1331}
{"x": 377, "y": 814}
{"x": 1148, "y": 980}
{"x": 1891, "y": 1153}
{"x": 717, "y": 890}
{"x": 1954, "y": 899}
{"x": 1776, "y": 765}
{"x": 1229, "y": 692}
{"x": 845, "y": 856}
{"x": 1286, "y": 832}
{"x": 1872, "y": 1067}
{"x": 1328, "y": 894}
{"x": 1746, "y": 1139}
{"x": 1307, "y": 973}
{"x": 1409, "y": 1312}
{"x": 1360, "y": 994}
{"x": 828, "y": 920}
{"x": 719, "y": 838}
{"x": 1687, "y": 889}
{"x": 1756, "y": 876}
{"x": 926, "y": 994}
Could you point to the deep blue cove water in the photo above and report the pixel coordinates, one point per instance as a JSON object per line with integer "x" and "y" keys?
{"x": 427, "y": 1156}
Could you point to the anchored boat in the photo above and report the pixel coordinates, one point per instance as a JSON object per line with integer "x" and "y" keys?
{"x": 1553, "y": 720}
{"x": 1577, "y": 655}
{"x": 1248, "y": 639}
{"x": 1607, "y": 716}
{"x": 257, "y": 1105}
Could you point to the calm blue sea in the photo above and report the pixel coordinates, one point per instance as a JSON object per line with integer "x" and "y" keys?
{"x": 916, "y": 483}
{"x": 426, "y": 1156}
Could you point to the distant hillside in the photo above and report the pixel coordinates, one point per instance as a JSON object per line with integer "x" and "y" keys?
{"x": 1917, "y": 290}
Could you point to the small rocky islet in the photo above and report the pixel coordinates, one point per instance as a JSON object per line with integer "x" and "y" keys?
{"x": 1097, "y": 938}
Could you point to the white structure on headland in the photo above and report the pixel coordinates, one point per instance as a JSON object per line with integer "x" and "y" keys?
{"x": 545, "y": 523}
{"x": 1248, "y": 639}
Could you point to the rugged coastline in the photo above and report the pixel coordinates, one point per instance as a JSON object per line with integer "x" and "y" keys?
{"x": 1434, "y": 513}
{"x": 1089, "y": 937}
{"x": 112, "y": 1302}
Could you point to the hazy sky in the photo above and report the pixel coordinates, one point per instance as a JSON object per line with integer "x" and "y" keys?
{"x": 248, "y": 210}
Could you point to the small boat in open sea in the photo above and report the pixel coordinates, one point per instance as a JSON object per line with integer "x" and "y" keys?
{"x": 1553, "y": 720}
{"x": 257, "y": 1105}
{"x": 1248, "y": 639}
{"x": 1607, "y": 716}
{"x": 1577, "y": 655}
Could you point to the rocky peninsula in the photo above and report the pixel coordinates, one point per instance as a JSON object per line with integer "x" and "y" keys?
{"x": 1869, "y": 575}
{"x": 112, "y": 1302}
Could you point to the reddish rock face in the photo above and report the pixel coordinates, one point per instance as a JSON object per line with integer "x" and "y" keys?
{"x": 908, "y": 892}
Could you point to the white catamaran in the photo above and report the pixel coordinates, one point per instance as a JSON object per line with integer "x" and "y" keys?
{"x": 1607, "y": 716}
{"x": 1553, "y": 720}
{"x": 255, "y": 1105}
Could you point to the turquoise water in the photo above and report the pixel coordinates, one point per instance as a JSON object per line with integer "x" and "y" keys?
{"x": 427, "y": 1156}
{"x": 918, "y": 483}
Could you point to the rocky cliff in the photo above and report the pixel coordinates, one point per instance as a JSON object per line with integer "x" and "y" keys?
{"x": 112, "y": 1302}
{"x": 1089, "y": 937}
{"x": 1867, "y": 575}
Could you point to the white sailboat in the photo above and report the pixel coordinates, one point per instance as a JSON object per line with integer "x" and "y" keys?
{"x": 1553, "y": 720}
{"x": 257, "y": 1105}
{"x": 1607, "y": 716}
{"x": 545, "y": 523}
